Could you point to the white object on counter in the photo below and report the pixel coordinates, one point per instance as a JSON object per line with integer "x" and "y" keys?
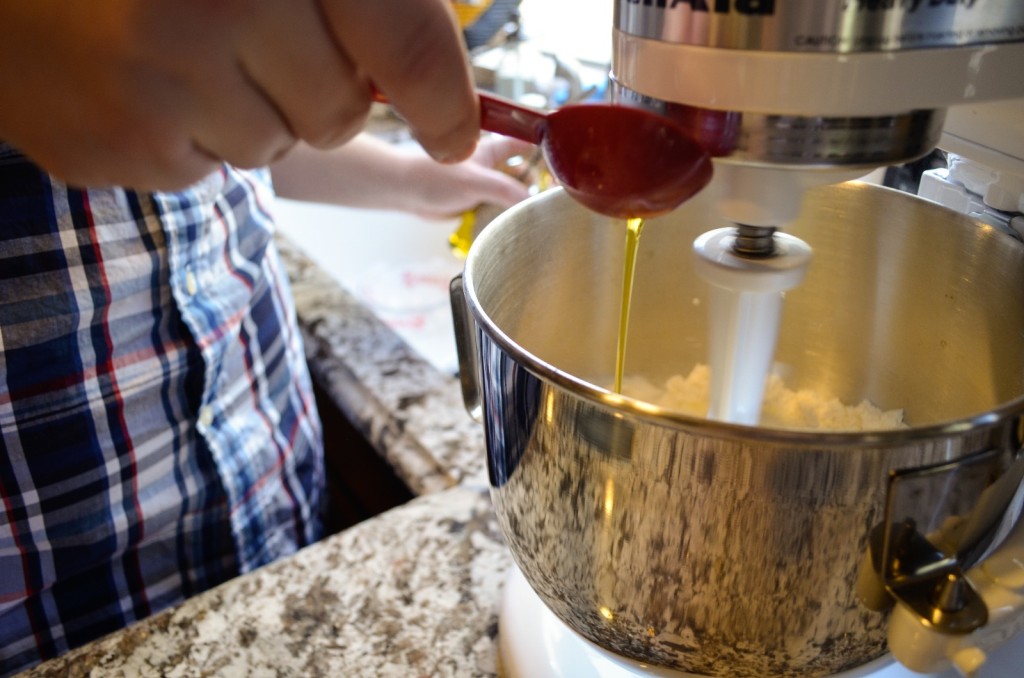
{"x": 397, "y": 264}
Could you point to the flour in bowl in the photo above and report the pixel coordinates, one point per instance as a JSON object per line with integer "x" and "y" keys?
{"x": 782, "y": 408}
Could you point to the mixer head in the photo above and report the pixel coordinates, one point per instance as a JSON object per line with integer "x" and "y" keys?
{"x": 811, "y": 92}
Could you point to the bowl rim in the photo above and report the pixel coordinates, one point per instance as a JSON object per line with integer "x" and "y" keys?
{"x": 1002, "y": 414}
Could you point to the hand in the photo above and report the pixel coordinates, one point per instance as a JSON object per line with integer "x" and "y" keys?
{"x": 367, "y": 172}
{"x": 442, "y": 191}
{"x": 154, "y": 94}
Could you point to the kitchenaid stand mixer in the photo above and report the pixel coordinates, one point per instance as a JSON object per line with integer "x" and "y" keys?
{"x": 816, "y": 92}
{"x": 794, "y": 94}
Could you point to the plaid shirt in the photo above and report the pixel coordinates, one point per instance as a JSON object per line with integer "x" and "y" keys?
{"x": 158, "y": 427}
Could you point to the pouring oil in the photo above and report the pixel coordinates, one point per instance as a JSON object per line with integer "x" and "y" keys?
{"x": 634, "y": 227}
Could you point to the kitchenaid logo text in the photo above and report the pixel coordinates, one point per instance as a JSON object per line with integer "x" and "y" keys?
{"x": 908, "y": 5}
{"x": 752, "y": 7}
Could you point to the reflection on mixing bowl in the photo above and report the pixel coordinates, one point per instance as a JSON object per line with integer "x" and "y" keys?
{"x": 716, "y": 548}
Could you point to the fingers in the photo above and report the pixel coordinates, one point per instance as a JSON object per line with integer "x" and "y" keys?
{"x": 154, "y": 93}
{"x": 497, "y": 188}
{"x": 248, "y": 131}
{"x": 301, "y": 78}
{"x": 412, "y": 51}
{"x": 184, "y": 92}
{"x": 289, "y": 54}
{"x": 494, "y": 150}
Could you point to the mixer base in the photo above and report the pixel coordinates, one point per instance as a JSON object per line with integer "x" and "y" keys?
{"x": 534, "y": 643}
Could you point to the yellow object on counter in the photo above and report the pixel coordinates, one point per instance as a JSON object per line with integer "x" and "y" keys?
{"x": 462, "y": 237}
{"x": 467, "y": 11}
{"x": 531, "y": 171}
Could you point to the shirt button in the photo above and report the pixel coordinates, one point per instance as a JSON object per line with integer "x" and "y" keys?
{"x": 190, "y": 283}
{"x": 205, "y": 415}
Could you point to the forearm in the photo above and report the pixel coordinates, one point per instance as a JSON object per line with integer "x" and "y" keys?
{"x": 367, "y": 172}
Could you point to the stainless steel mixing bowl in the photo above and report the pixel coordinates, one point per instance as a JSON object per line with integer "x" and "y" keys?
{"x": 712, "y": 548}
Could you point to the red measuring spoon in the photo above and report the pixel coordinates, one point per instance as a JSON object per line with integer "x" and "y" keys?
{"x": 620, "y": 161}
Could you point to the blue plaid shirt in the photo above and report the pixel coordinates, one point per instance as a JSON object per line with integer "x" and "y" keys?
{"x": 157, "y": 423}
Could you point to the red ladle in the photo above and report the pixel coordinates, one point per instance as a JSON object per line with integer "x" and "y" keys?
{"x": 620, "y": 161}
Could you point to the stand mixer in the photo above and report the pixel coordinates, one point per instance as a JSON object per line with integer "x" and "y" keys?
{"x": 805, "y": 92}
{"x": 796, "y": 94}
{"x": 801, "y": 93}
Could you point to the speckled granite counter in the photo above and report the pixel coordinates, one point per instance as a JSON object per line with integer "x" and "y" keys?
{"x": 411, "y": 592}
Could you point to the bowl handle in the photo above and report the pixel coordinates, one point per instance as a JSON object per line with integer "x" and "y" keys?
{"x": 999, "y": 580}
{"x": 466, "y": 347}
{"x": 956, "y": 604}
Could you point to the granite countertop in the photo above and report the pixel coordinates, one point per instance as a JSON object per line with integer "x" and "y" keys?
{"x": 414, "y": 591}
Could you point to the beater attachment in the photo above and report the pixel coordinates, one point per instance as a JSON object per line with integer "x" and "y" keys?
{"x": 747, "y": 268}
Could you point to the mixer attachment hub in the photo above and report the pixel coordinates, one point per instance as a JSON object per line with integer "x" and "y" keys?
{"x": 747, "y": 270}
{"x": 754, "y": 241}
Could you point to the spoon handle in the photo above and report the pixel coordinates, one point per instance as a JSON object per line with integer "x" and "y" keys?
{"x": 501, "y": 116}
{"x": 510, "y": 119}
